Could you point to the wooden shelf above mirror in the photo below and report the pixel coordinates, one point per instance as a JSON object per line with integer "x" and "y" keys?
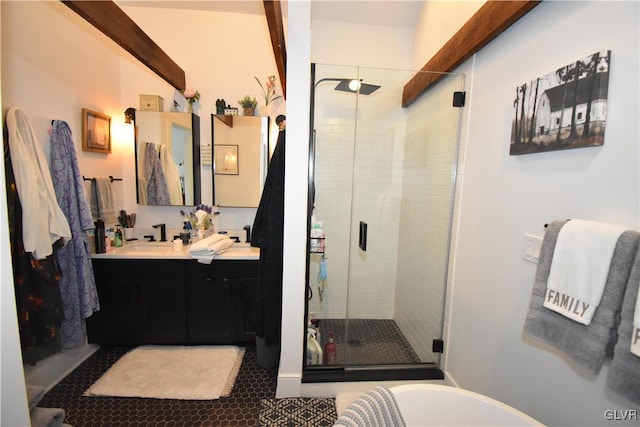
{"x": 227, "y": 120}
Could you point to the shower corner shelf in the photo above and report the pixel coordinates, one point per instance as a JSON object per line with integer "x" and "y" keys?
{"x": 317, "y": 245}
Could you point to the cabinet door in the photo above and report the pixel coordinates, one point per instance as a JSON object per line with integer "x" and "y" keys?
{"x": 212, "y": 311}
{"x": 246, "y": 307}
{"x": 164, "y": 311}
{"x": 118, "y": 321}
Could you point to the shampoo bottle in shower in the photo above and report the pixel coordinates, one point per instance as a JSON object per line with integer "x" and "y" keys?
{"x": 330, "y": 351}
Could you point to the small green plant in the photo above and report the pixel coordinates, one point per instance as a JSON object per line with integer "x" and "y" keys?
{"x": 248, "y": 102}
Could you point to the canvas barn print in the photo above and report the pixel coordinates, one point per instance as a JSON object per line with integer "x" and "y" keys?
{"x": 563, "y": 109}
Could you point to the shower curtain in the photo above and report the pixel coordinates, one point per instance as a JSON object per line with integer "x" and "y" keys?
{"x": 78, "y": 286}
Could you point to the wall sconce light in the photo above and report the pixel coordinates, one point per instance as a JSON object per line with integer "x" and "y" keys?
{"x": 130, "y": 115}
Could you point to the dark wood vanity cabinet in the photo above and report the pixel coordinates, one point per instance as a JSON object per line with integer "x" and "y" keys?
{"x": 220, "y": 300}
{"x": 141, "y": 302}
{"x": 173, "y": 302}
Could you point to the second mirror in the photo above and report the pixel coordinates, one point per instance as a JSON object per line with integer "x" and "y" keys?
{"x": 240, "y": 158}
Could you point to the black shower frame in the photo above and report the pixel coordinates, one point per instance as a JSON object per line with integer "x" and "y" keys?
{"x": 414, "y": 371}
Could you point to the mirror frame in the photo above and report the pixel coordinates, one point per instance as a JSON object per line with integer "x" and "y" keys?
{"x": 197, "y": 175}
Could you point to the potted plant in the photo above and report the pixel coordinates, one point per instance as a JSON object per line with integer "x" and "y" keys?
{"x": 248, "y": 104}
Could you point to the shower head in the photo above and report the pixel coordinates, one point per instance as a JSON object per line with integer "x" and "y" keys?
{"x": 356, "y": 86}
{"x": 351, "y": 85}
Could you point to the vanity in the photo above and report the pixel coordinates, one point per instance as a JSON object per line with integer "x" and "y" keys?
{"x": 150, "y": 294}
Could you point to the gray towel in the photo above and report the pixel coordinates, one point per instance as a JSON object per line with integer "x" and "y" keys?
{"x": 624, "y": 374}
{"x": 101, "y": 201}
{"x": 375, "y": 408}
{"x": 587, "y": 345}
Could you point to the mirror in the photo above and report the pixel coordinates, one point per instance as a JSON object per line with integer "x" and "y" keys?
{"x": 240, "y": 159}
{"x": 167, "y": 158}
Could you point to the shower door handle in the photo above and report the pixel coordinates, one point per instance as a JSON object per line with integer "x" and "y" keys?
{"x": 362, "y": 237}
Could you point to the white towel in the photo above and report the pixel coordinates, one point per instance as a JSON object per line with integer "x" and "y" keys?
{"x": 580, "y": 267}
{"x": 172, "y": 176}
{"x": 215, "y": 248}
{"x": 203, "y": 245}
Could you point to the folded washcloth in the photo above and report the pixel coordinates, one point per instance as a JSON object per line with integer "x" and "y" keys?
{"x": 203, "y": 244}
{"x": 624, "y": 373}
{"x": 579, "y": 268}
{"x": 375, "y": 408}
{"x": 213, "y": 249}
{"x": 587, "y": 345}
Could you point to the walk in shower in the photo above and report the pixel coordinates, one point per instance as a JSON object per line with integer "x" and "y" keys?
{"x": 382, "y": 181}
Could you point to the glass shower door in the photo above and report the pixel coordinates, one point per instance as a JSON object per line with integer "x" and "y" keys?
{"x": 383, "y": 179}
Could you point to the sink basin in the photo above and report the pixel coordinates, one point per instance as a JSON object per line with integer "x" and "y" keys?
{"x": 147, "y": 248}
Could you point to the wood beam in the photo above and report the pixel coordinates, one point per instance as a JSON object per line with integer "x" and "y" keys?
{"x": 107, "y": 17}
{"x": 273, "y": 13}
{"x": 486, "y": 24}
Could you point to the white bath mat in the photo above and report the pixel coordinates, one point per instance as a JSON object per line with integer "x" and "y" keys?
{"x": 172, "y": 372}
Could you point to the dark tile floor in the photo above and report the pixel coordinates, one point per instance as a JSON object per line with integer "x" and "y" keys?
{"x": 363, "y": 342}
{"x": 240, "y": 409}
{"x": 368, "y": 342}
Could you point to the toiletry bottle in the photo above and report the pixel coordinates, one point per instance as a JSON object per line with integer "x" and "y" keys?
{"x": 107, "y": 239}
{"x": 100, "y": 236}
{"x": 185, "y": 235}
{"x": 118, "y": 237}
{"x": 330, "y": 351}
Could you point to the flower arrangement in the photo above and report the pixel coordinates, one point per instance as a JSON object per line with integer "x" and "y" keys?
{"x": 191, "y": 95}
{"x": 248, "y": 102}
{"x": 200, "y": 217}
{"x": 270, "y": 91}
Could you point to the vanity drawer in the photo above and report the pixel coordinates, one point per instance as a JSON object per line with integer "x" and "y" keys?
{"x": 227, "y": 269}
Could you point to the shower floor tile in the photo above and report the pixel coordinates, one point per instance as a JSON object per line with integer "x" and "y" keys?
{"x": 369, "y": 342}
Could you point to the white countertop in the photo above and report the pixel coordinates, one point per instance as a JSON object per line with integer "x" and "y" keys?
{"x": 165, "y": 250}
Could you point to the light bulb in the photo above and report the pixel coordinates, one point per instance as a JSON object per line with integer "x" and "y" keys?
{"x": 354, "y": 85}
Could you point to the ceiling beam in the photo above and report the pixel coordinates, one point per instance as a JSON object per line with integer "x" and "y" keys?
{"x": 486, "y": 24}
{"x": 273, "y": 13}
{"x": 107, "y": 17}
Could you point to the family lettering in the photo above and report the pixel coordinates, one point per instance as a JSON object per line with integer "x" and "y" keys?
{"x": 566, "y": 302}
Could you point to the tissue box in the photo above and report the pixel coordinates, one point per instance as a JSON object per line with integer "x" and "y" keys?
{"x": 151, "y": 103}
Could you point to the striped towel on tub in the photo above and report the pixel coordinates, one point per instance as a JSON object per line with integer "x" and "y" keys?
{"x": 375, "y": 408}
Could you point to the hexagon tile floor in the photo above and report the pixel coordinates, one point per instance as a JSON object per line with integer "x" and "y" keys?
{"x": 252, "y": 401}
{"x": 240, "y": 409}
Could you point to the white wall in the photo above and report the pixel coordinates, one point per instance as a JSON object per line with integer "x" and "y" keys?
{"x": 14, "y": 409}
{"x": 504, "y": 197}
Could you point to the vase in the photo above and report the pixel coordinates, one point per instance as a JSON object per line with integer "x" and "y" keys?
{"x": 188, "y": 108}
{"x": 249, "y": 111}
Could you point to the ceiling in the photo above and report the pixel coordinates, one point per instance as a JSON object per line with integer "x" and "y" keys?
{"x": 394, "y": 13}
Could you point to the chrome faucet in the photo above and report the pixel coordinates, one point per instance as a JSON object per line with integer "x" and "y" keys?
{"x": 163, "y": 231}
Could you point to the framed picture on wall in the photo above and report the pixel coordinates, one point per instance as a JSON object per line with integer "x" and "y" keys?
{"x": 226, "y": 159}
{"x": 96, "y": 132}
{"x": 564, "y": 109}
